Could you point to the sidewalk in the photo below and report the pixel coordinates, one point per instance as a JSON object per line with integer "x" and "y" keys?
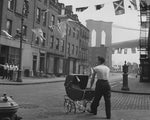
{"x": 38, "y": 80}
{"x": 32, "y": 80}
{"x": 135, "y": 87}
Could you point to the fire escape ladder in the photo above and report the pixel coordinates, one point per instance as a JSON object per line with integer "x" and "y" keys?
{"x": 144, "y": 43}
{"x": 144, "y": 30}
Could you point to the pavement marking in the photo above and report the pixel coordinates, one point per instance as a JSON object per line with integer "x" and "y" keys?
{"x": 115, "y": 83}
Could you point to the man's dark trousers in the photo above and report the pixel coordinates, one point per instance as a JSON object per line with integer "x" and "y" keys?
{"x": 102, "y": 89}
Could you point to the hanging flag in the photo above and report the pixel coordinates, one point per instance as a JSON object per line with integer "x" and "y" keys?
{"x": 133, "y": 2}
{"x": 7, "y": 34}
{"x": 119, "y": 50}
{"x": 81, "y": 9}
{"x": 98, "y": 7}
{"x": 119, "y": 7}
{"x": 133, "y": 50}
{"x": 39, "y": 33}
{"x": 61, "y": 27}
{"x": 125, "y": 51}
{"x": 143, "y": 5}
{"x": 113, "y": 50}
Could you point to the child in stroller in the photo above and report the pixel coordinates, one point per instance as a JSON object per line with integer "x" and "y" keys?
{"x": 77, "y": 94}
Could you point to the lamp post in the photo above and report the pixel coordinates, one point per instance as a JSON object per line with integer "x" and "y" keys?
{"x": 66, "y": 58}
{"x": 125, "y": 77}
{"x": 24, "y": 12}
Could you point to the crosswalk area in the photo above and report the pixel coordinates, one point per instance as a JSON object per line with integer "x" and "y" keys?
{"x": 115, "y": 83}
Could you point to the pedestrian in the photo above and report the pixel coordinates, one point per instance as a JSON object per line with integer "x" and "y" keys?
{"x": 11, "y": 72}
{"x": 8, "y": 72}
{"x": 102, "y": 87}
{"x": 15, "y": 71}
{"x": 5, "y": 66}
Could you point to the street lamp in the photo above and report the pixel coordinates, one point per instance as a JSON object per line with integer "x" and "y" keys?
{"x": 25, "y": 11}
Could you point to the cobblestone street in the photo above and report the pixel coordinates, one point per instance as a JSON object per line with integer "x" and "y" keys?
{"x": 129, "y": 102}
{"x": 45, "y": 102}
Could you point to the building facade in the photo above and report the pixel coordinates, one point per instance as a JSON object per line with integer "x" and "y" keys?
{"x": 48, "y": 56}
{"x": 144, "y": 43}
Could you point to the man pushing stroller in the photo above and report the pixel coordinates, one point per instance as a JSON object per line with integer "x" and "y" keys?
{"x": 102, "y": 87}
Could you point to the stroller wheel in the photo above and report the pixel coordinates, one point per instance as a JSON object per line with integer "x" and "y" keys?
{"x": 73, "y": 107}
{"x": 67, "y": 106}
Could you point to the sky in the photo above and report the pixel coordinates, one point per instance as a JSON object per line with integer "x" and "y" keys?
{"x": 130, "y": 19}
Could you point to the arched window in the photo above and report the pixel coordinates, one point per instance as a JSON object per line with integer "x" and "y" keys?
{"x": 93, "y": 41}
{"x": 103, "y": 38}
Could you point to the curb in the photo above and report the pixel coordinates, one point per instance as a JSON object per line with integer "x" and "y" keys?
{"x": 34, "y": 83}
{"x": 129, "y": 92}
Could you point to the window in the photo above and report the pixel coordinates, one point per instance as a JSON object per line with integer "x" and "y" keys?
{"x": 62, "y": 45}
{"x": 74, "y": 30}
{"x": 44, "y": 35}
{"x": 38, "y": 11}
{"x": 69, "y": 31}
{"x": 52, "y": 42}
{"x": 53, "y": 20}
{"x": 45, "y": 2}
{"x": 77, "y": 34}
{"x": 44, "y": 18}
{"x": 72, "y": 49}
{"x": 11, "y": 4}
{"x": 37, "y": 40}
{"x": 53, "y": 1}
{"x": 24, "y": 28}
{"x": 76, "y": 50}
{"x": 57, "y": 43}
{"x": 26, "y": 8}
{"x": 9, "y": 26}
{"x": 13, "y": 56}
{"x": 68, "y": 48}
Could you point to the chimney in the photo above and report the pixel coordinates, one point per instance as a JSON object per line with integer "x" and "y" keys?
{"x": 69, "y": 7}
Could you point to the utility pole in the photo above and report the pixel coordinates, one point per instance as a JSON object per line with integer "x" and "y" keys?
{"x": 25, "y": 11}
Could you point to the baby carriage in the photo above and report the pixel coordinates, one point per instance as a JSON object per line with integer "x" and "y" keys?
{"x": 77, "y": 94}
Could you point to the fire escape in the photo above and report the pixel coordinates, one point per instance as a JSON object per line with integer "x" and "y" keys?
{"x": 144, "y": 42}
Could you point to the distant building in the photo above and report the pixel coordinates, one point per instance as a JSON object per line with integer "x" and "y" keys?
{"x": 103, "y": 41}
{"x": 125, "y": 51}
{"x": 114, "y": 53}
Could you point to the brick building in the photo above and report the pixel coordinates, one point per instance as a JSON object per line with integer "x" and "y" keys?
{"x": 47, "y": 56}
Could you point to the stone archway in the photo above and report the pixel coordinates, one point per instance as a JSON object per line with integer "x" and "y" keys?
{"x": 103, "y": 38}
{"x": 99, "y": 27}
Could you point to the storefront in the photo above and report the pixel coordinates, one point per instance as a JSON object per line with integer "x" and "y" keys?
{"x": 54, "y": 65}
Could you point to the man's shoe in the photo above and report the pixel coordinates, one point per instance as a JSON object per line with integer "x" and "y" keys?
{"x": 108, "y": 117}
{"x": 94, "y": 113}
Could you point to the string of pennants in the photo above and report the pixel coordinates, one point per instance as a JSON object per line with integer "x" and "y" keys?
{"x": 118, "y": 7}
{"x": 123, "y": 50}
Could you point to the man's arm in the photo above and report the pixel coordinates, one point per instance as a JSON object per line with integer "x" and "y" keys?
{"x": 93, "y": 78}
